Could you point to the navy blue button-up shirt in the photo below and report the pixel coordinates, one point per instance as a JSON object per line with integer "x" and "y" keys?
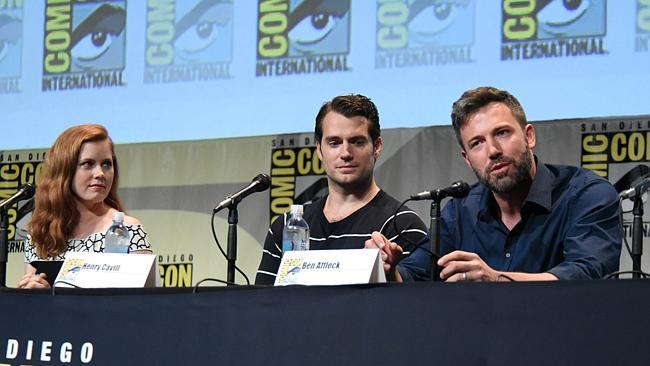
{"x": 569, "y": 227}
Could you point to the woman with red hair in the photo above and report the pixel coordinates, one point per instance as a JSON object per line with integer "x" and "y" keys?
{"x": 74, "y": 204}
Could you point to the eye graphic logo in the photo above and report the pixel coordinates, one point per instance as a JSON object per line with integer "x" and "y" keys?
{"x": 441, "y": 23}
{"x": 188, "y": 40}
{"x": 302, "y": 36}
{"x": 642, "y": 25}
{"x": 319, "y": 28}
{"x": 84, "y": 44}
{"x": 553, "y": 28}
{"x": 424, "y": 32}
{"x": 205, "y": 33}
{"x": 571, "y": 19}
{"x": 11, "y": 42}
{"x": 98, "y": 39}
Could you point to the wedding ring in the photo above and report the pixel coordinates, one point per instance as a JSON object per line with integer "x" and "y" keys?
{"x": 464, "y": 276}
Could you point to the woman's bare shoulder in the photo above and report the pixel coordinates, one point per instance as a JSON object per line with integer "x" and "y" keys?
{"x": 130, "y": 220}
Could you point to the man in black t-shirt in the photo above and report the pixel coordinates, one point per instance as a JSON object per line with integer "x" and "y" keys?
{"x": 348, "y": 142}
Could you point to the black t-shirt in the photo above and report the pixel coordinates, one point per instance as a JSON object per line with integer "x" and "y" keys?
{"x": 349, "y": 233}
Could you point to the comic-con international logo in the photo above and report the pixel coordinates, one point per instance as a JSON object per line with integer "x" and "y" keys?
{"x": 176, "y": 269}
{"x": 553, "y": 28}
{"x": 11, "y": 45}
{"x": 17, "y": 169}
{"x": 642, "y": 25}
{"x": 84, "y": 44}
{"x": 297, "y": 173}
{"x": 188, "y": 40}
{"x": 619, "y": 150}
{"x": 302, "y": 37}
{"x": 423, "y": 33}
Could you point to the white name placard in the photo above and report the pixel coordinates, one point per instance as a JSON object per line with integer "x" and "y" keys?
{"x": 99, "y": 270}
{"x": 330, "y": 267}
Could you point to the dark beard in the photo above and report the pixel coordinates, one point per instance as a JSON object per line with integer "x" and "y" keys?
{"x": 506, "y": 184}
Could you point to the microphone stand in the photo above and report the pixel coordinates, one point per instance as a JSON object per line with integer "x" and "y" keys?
{"x": 231, "y": 250}
{"x": 434, "y": 238}
{"x": 4, "y": 245}
{"x": 637, "y": 236}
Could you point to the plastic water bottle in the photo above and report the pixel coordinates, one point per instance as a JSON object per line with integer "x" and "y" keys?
{"x": 118, "y": 238}
{"x": 295, "y": 235}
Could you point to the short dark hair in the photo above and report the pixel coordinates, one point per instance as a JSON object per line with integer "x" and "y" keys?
{"x": 353, "y": 105}
{"x": 474, "y": 99}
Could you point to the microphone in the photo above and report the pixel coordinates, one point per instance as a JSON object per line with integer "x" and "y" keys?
{"x": 638, "y": 189}
{"x": 25, "y": 192}
{"x": 260, "y": 183}
{"x": 458, "y": 189}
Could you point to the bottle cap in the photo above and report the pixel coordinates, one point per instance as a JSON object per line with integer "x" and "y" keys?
{"x": 296, "y": 209}
{"x": 118, "y": 216}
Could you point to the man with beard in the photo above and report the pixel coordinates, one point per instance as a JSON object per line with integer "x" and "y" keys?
{"x": 524, "y": 220}
{"x": 348, "y": 142}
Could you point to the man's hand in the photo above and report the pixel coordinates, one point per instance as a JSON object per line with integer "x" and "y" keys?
{"x": 465, "y": 266}
{"x": 32, "y": 280}
{"x": 391, "y": 254}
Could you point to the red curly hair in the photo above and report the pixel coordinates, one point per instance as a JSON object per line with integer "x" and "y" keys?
{"x": 55, "y": 215}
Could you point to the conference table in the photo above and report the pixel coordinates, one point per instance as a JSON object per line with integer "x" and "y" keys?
{"x": 603, "y": 322}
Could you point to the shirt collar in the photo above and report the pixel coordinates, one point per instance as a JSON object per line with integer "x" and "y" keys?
{"x": 540, "y": 193}
{"x": 542, "y": 188}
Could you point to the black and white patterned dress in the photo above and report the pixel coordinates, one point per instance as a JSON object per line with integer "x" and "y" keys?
{"x": 93, "y": 243}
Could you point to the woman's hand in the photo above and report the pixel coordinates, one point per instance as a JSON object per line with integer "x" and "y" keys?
{"x": 32, "y": 280}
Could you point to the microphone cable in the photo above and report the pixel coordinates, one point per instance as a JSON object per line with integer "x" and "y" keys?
{"x": 214, "y": 235}
{"x": 396, "y": 227}
{"x": 412, "y": 244}
{"x": 614, "y": 275}
{"x": 195, "y": 289}
{"x": 457, "y": 189}
{"x": 63, "y": 282}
